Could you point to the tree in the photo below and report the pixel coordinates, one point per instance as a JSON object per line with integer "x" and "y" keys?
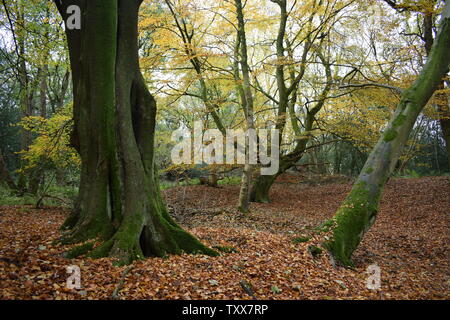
{"x": 9, "y": 134}
{"x": 247, "y": 104}
{"x": 288, "y": 87}
{"x": 190, "y": 50}
{"x": 4, "y": 174}
{"x": 36, "y": 57}
{"x": 359, "y": 210}
{"x": 114, "y": 125}
{"x": 428, "y": 10}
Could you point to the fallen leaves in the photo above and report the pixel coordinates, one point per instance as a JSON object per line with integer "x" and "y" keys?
{"x": 409, "y": 242}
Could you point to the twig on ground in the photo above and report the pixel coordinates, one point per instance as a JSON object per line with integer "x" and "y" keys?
{"x": 116, "y": 292}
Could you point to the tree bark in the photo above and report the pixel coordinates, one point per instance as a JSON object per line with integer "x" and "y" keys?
{"x": 260, "y": 189}
{"x": 4, "y": 174}
{"x": 114, "y": 118}
{"x": 359, "y": 210}
{"x": 443, "y": 106}
{"x": 36, "y": 175}
{"x": 26, "y": 94}
{"x": 247, "y": 104}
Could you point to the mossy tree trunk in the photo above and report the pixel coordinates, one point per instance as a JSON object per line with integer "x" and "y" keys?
{"x": 359, "y": 210}
{"x": 114, "y": 115}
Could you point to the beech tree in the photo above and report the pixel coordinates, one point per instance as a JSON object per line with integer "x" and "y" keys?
{"x": 359, "y": 210}
{"x": 428, "y": 11}
{"x": 288, "y": 81}
{"x": 114, "y": 125}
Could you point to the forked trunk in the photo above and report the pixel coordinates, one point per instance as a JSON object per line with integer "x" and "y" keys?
{"x": 261, "y": 187}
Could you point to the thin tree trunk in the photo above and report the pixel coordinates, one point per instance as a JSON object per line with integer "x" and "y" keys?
{"x": 4, "y": 174}
{"x": 443, "y": 103}
{"x": 359, "y": 210}
{"x": 213, "y": 177}
{"x": 247, "y": 174}
{"x": 36, "y": 174}
{"x": 189, "y": 48}
{"x": 443, "y": 106}
{"x": 26, "y": 99}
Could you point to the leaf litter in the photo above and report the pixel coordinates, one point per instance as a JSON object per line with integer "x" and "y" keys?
{"x": 409, "y": 242}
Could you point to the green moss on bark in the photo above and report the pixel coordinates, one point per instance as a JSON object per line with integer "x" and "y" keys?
{"x": 390, "y": 135}
{"x": 353, "y": 219}
{"x": 188, "y": 243}
{"x": 399, "y": 120}
{"x": 369, "y": 171}
{"x": 324, "y": 226}
{"x": 260, "y": 189}
{"x": 70, "y": 221}
{"x": 102, "y": 250}
{"x": 95, "y": 227}
{"x": 80, "y": 250}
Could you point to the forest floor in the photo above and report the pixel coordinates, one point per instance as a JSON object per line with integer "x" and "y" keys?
{"x": 409, "y": 242}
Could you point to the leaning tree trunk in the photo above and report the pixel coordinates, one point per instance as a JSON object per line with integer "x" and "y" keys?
{"x": 114, "y": 115}
{"x": 359, "y": 209}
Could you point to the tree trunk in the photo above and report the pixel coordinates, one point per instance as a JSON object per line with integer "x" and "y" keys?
{"x": 445, "y": 126}
{"x": 114, "y": 118}
{"x": 443, "y": 106}
{"x": 36, "y": 175}
{"x": 261, "y": 187}
{"x": 213, "y": 177}
{"x": 337, "y": 159}
{"x": 247, "y": 103}
{"x": 359, "y": 209}
{"x": 263, "y": 183}
{"x": 4, "y": 174}
{"x": 26, "y": 96}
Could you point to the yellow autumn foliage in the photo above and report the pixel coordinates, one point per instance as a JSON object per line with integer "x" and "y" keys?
{"x": 51, "y": 147}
